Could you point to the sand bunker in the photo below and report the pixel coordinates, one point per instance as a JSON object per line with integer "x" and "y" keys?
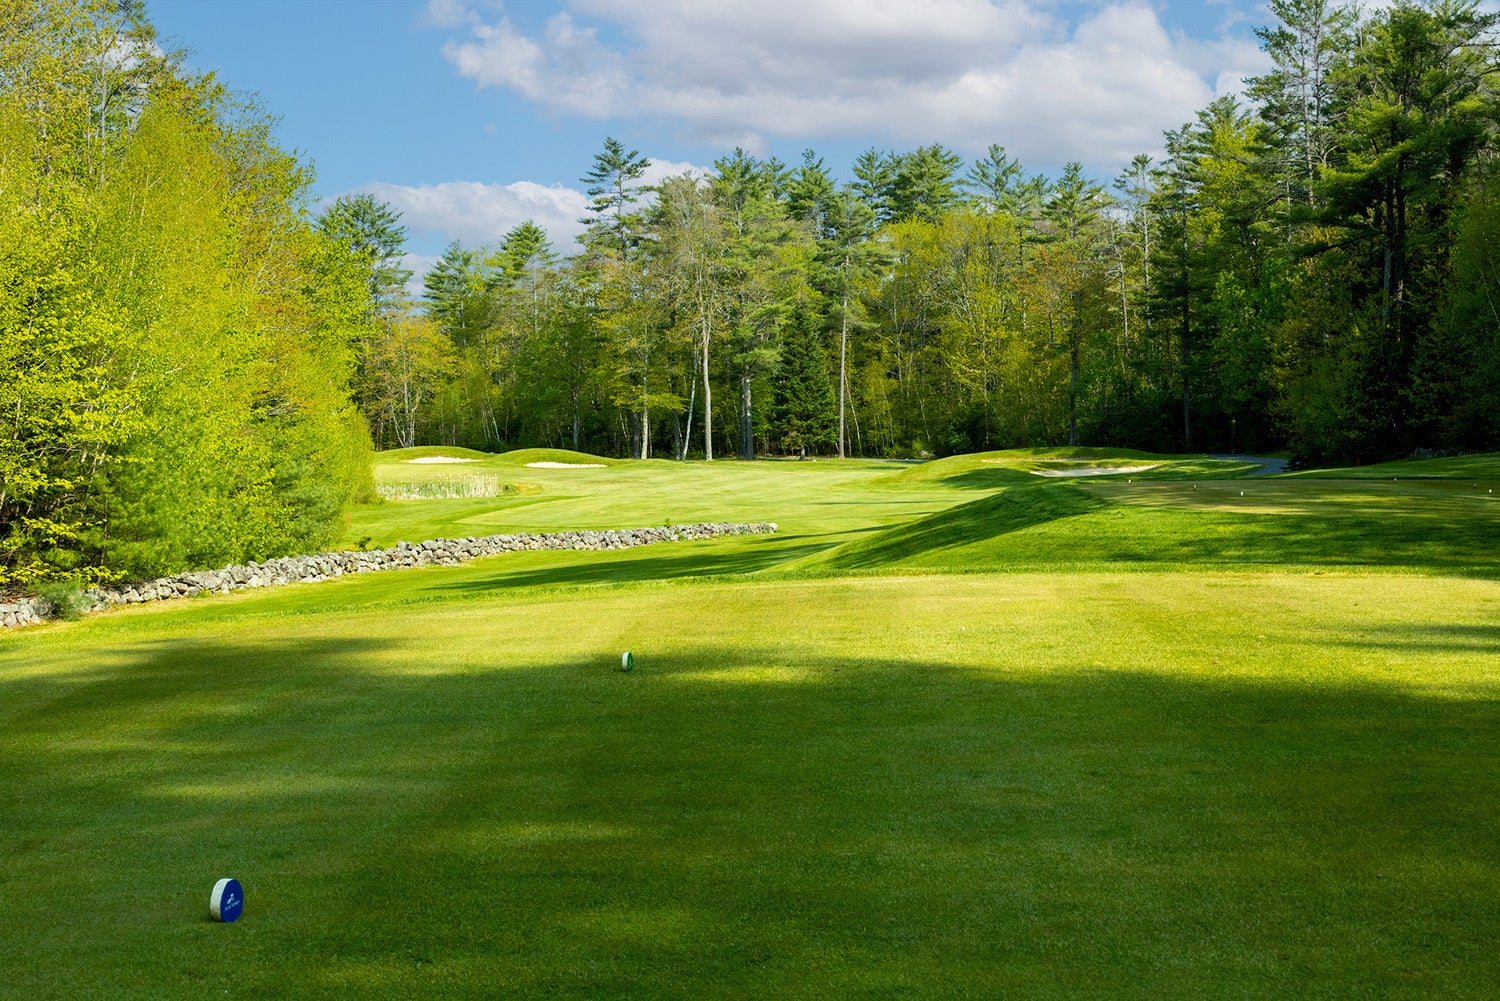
{"x": 566, "y": 465}
{"x": 439, "y": 458}
{"x": 1094, "y": 470}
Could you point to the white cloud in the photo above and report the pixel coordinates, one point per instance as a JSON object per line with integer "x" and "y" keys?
{"x": 444, "y": 14}
{"x": 478, "y": 214}
{"x": 418, "y": 265}
{"x": 962, "y": 72}
{"x": 660, "y": 170}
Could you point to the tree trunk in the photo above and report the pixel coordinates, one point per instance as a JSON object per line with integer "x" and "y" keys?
{"x": 843, "y": 351}
{"x": 1073, "y": 394}
{"x": 1187, "y": 411}
{"x": 687, "y": 436}
{"x": 708, "y": 401}
{"x": 645, "y": 410}
{"x": 1187, "y": 397}
{"x": 747, "y": 432}
{"x": 679, "y": 442}
{"x": 1075, "y": 351}
{"x": 574, "y": 394}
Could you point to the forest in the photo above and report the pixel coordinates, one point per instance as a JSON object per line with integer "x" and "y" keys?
{"x": 198, "y": 360}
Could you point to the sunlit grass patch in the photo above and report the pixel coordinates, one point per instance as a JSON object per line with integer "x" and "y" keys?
{"x": 944, "y": 783}
{"x": 981, "y": 734}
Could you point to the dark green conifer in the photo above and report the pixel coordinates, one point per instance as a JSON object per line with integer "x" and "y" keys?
{"x": 804, "y": 415}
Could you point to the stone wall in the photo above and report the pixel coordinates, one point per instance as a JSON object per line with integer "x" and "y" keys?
{"x": 323, "y": 566}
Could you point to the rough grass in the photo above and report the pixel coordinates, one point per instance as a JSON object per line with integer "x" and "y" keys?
{"x": 449, "y": 488}
{"x": 1177, "y": 775}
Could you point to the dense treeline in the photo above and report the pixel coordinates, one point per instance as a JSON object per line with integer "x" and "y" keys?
{"x": 1311, "y": 267}
{"x": 194, "y": 366}
{"x": 176, "y": 339}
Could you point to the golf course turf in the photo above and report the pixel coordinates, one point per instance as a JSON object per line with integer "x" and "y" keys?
{"x": 956, "y": 730}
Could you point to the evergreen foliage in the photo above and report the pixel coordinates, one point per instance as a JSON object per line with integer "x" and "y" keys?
{"x": 613, "y": 186}
{"x": 373, "y": 234}
{"x": 804, "y": 417}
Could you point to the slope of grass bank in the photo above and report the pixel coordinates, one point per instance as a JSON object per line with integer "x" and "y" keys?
{"x": 1481, "y": 467}
{"x": 1429, "y": 525}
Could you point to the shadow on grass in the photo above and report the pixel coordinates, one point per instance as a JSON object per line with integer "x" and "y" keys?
{"x": 620, "y": 568}
{"x": 1056, "y": 525}
{"x": 726, "y": 821}
{"x": 1478, "y": 639}
{"x": 1434, "y": 542}
{"x": 964, "y": 525}
{"x": 988, "y": 479}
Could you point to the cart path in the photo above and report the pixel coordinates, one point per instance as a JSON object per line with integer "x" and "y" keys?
{"x": 1268, "y": 466}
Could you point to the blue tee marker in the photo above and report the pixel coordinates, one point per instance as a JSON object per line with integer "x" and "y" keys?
{"x": 227, "y": 900}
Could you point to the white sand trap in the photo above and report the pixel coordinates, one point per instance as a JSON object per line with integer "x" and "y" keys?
{"x": 439, "y": 458}
{"x": 566, "y": 465}
{"x": 1093, "y": 470}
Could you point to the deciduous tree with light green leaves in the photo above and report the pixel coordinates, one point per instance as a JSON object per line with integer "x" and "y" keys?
{"x": 178, "y": 393}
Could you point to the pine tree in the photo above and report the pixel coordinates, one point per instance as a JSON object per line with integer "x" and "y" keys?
{"x": 847, "y": 255}
{"x": 803, "y": 413}
{"x": 1296, "y": 99}
{"x": 991, "y": 180}
{"x": 809, "y": 194}
{"x": 613, "y": 186}
{"x": 373, "y": 232}
{"x": 524, "y": 251}
{"x": 456, "y": 293}
{"x": 923, "y": 184}
{"x": 875, "y": 176}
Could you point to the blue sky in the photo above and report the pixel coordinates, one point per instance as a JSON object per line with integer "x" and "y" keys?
{"x": 470, "y": 116}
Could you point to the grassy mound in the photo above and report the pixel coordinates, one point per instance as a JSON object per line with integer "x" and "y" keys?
{"x": 523, "y": 456}
{"x": 993, "y": 470}
{"x": 966, "y": 524}
{"x": 428, "y": 452}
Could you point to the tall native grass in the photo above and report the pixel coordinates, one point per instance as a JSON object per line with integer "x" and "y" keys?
{"x": 454, "y": 488}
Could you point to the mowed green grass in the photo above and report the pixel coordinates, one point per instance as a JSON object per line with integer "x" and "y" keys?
{"x": 1014, "y": 763}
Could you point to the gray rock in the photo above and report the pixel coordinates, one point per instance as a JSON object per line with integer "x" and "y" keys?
{"x": 325, "y": 566}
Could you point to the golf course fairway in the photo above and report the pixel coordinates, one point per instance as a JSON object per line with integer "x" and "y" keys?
{"x": 957, "y": 730}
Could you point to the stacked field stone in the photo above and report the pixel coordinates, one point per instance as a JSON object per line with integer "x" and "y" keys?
{"x": 323, "y": 566}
